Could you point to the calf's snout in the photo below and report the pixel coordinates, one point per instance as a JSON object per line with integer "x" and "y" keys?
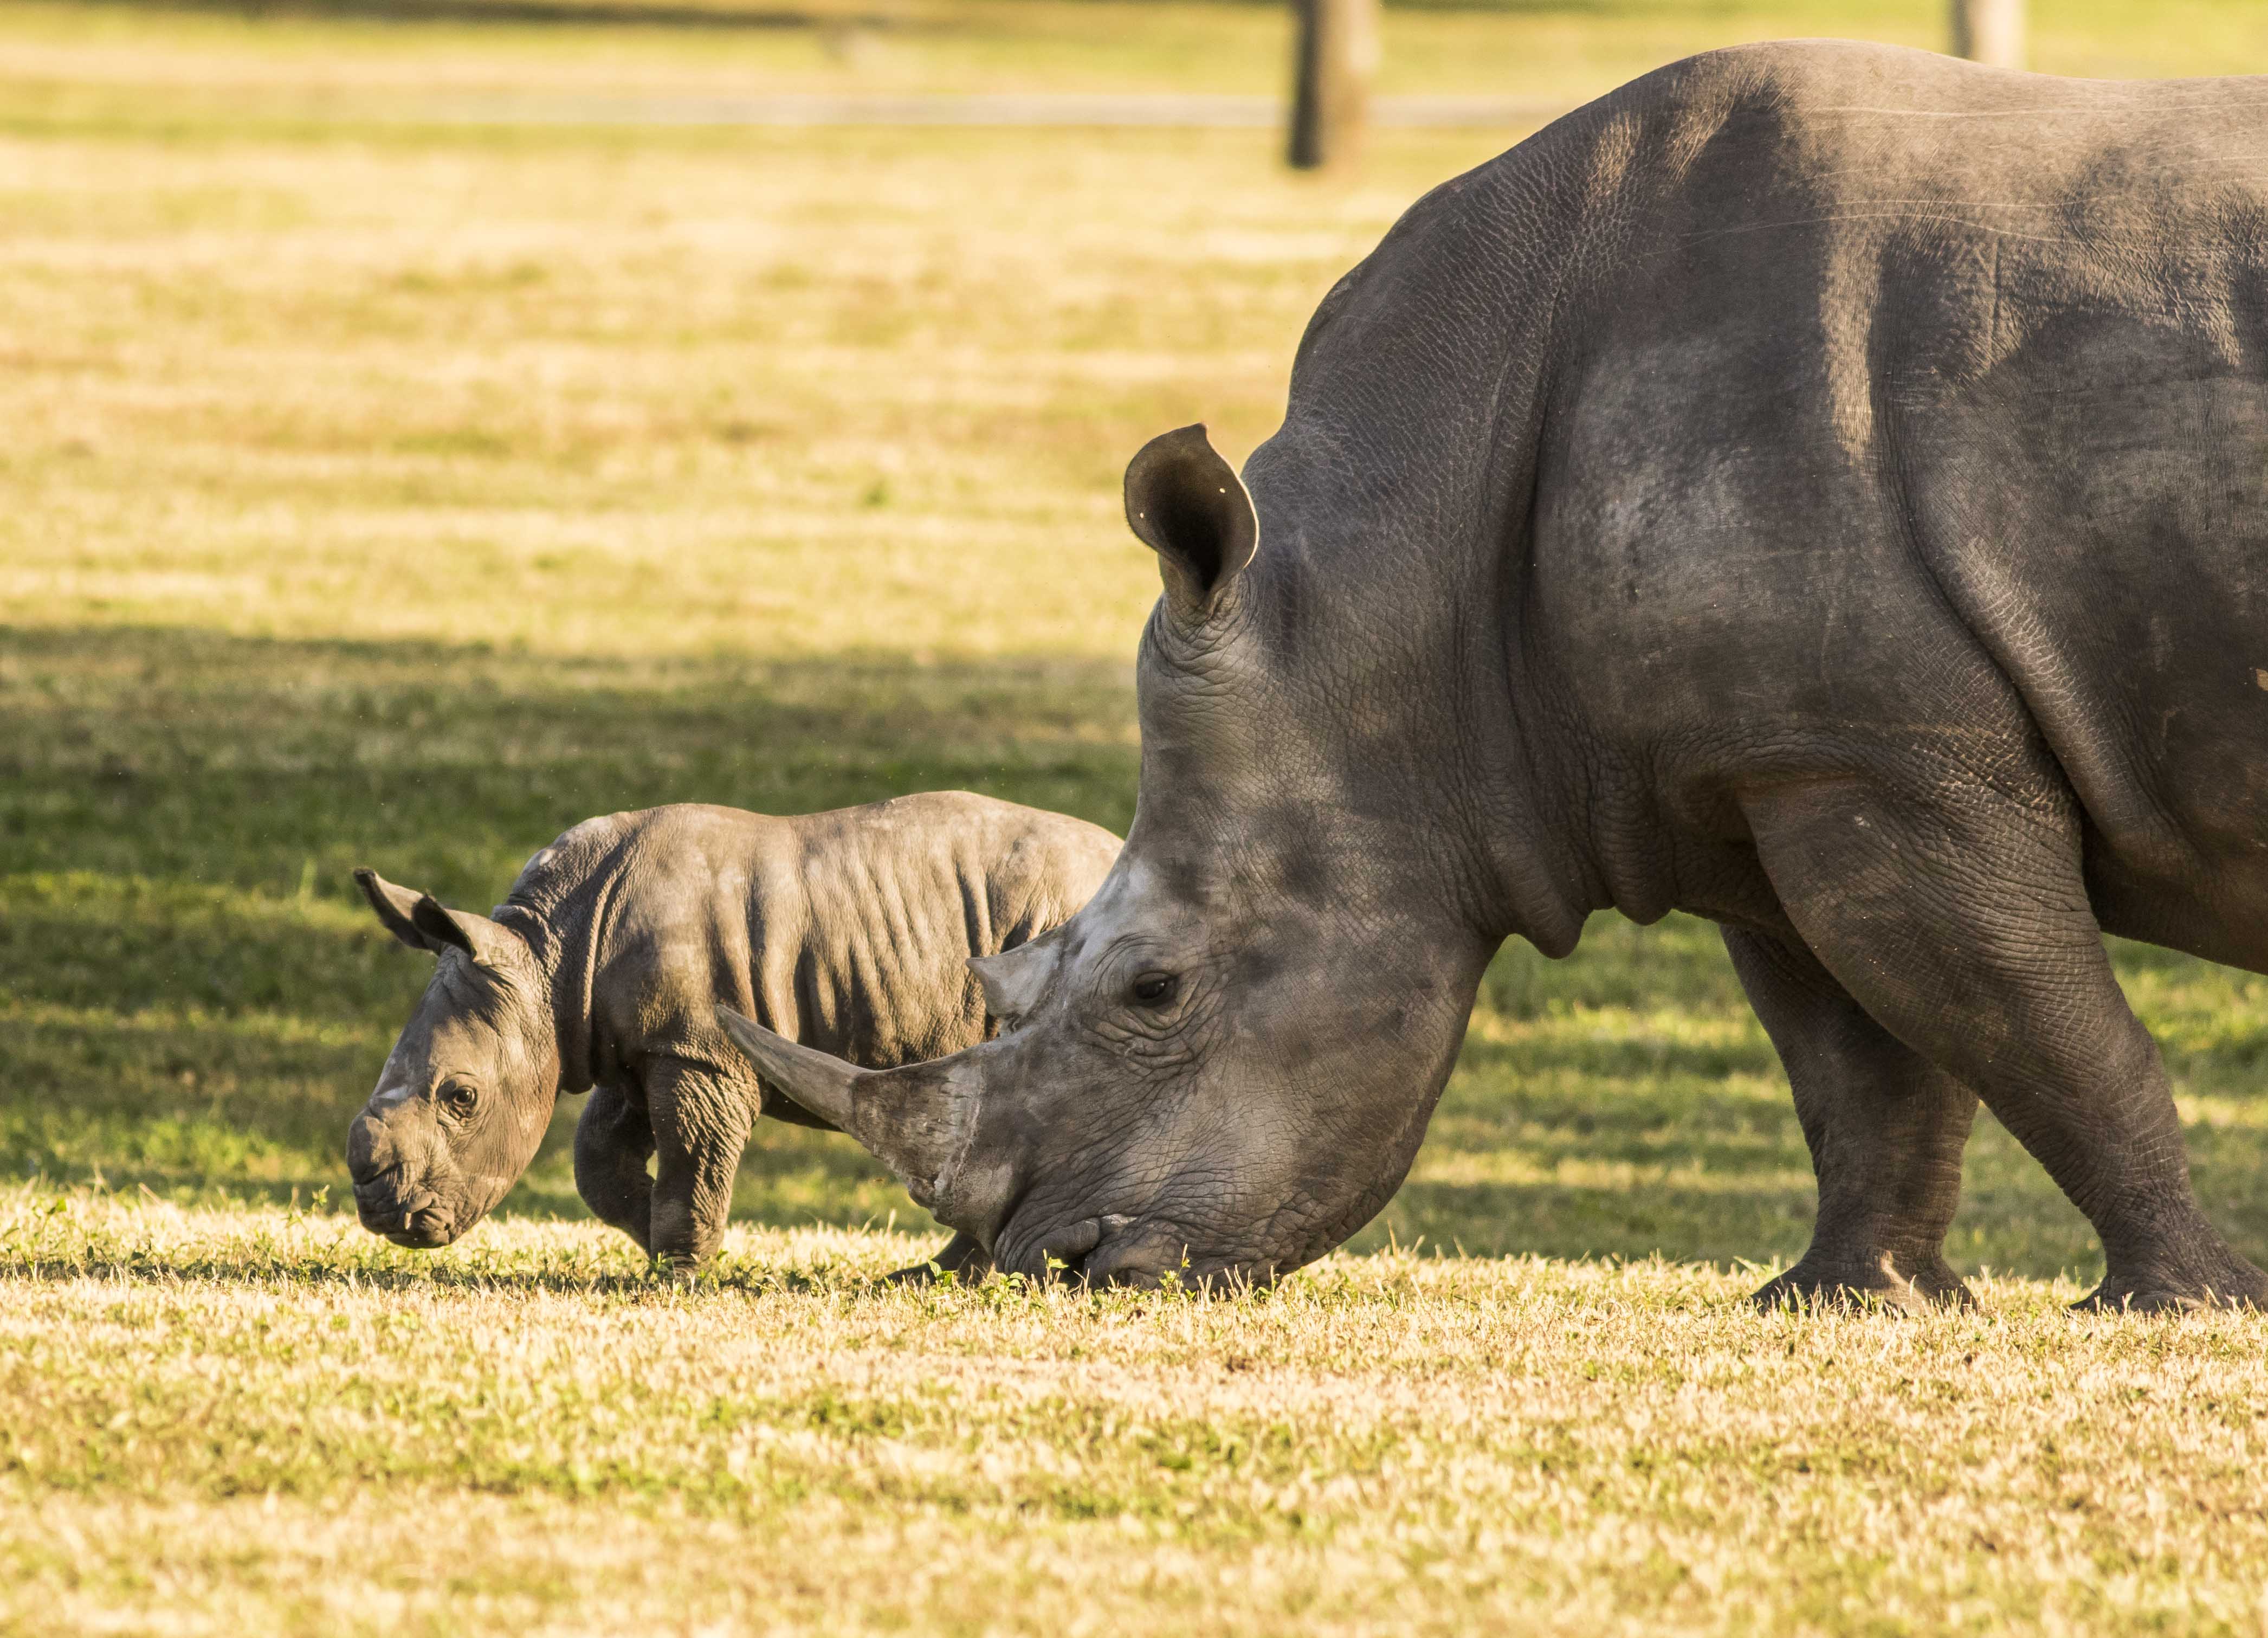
{"x": 370, "y": 1149}
{"x": 391, "y": 1196}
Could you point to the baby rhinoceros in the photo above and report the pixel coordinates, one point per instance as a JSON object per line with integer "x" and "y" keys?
{"x": 849, "y": 932}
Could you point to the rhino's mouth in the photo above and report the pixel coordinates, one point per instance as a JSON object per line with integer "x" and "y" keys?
{"x": 1112, "y": 1250}
{"x": 412, "y": 1218}
{"x": 423, "y": 1230}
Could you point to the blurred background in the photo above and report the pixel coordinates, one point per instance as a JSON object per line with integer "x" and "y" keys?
{"x": 424, "y": 426}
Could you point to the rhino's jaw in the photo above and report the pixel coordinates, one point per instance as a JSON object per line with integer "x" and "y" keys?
{"x": 1113, "y": 1249}
{"x": 422, "y": 1231}
{"x": 1118, "y": 1248}
{"x": 411, "y": 1216}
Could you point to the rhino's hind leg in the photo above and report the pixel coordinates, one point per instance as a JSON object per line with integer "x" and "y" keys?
{"x": 1885, "y": 1128}
{"x": 1957, "y": 915}
{"x": 613, "y": 1140}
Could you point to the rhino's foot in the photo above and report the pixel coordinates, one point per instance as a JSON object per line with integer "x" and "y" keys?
{"x": 2211, "y": 1276}
{"x": 1881, "y": 1286}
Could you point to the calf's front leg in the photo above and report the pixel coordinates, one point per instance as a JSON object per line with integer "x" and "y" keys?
{"x": 701, "y": 1125}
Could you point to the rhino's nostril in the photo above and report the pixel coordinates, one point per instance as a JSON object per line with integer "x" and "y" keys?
{"x": 368, "y": 1151}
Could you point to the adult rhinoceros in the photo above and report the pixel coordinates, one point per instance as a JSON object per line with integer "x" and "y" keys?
{"x": 1820, "y": 487}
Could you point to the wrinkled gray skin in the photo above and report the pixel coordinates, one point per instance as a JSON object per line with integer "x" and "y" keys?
{"x": 604, "y": 968}
{"x": 1820, "y": 487}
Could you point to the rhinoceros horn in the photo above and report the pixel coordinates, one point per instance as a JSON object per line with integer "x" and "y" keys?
{"x": 915, "y": 1120}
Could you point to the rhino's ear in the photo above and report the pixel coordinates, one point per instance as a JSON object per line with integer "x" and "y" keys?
{"x": 1015, "y": 979}
{"x": 491, "y": 943}
{"x": 423, "y": 922}
{"x": 1187, "y": 505}
{"x": 395, "y": 907}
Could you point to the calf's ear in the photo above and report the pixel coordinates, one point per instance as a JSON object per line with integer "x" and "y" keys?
{"x": 1187, "y": 505}
{"x": 395, "y": 907}
{"x": 423, "y": 922}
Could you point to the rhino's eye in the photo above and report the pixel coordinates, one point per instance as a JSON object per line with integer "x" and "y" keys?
{"x": 1155, "y": 989}
{"x": 459, "y": 1097}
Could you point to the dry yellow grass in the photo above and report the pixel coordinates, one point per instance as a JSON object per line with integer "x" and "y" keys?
{"x": 227, "y": 1422}
{"x": 753, "y": 392}
{"x": 378, "y": 489}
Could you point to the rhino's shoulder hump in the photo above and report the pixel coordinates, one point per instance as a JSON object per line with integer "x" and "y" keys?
{"x": 986, "y": 830}
{"x": 937, "y": 824}
{"x": 1835, "y": 118}
{"x": 1065, "y": 850}
{"x": 1793, "y": 80}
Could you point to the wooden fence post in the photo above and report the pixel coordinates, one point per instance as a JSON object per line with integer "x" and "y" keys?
{"x": 1990, "y": 31}
{"x": 1335, "y": 53}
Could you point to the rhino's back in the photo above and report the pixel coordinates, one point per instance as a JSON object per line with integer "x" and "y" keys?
{"x": 1788, "y": 281}
{"x": 1905, "y": 410}
{"x": 893, "y": 898}
{"x": 848, "y": 930}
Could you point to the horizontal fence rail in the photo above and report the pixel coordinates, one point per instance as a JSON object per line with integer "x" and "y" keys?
{"x": 1038, "y": 108}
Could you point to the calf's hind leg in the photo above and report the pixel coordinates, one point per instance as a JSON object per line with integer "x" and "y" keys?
{"x": 1956, "y": 915}
{"x": 613, "y": 1140}
{"x": 1885, "y": 1126}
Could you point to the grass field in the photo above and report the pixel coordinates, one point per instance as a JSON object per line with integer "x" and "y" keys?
{"x": 383, "y": 489}
{"x": 248, "y": 1421}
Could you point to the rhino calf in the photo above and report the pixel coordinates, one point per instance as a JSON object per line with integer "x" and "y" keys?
{"x": 604, "y": 970}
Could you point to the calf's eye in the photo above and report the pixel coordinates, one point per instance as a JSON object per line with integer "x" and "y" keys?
{"x": 1155, "y": 989}
{"x": 459, "y": 1097}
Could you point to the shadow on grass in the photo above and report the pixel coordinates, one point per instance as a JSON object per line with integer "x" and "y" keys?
{"x": 557, "y": 1277}
{"x": 192, "y": 1000}
{"x": 192, "y": 994}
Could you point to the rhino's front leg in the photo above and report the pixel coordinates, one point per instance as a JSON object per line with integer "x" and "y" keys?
{"x": 700, "y": 1123}
{"x": 1885, "y": 1126}
{"x": 613, "y": 1140}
